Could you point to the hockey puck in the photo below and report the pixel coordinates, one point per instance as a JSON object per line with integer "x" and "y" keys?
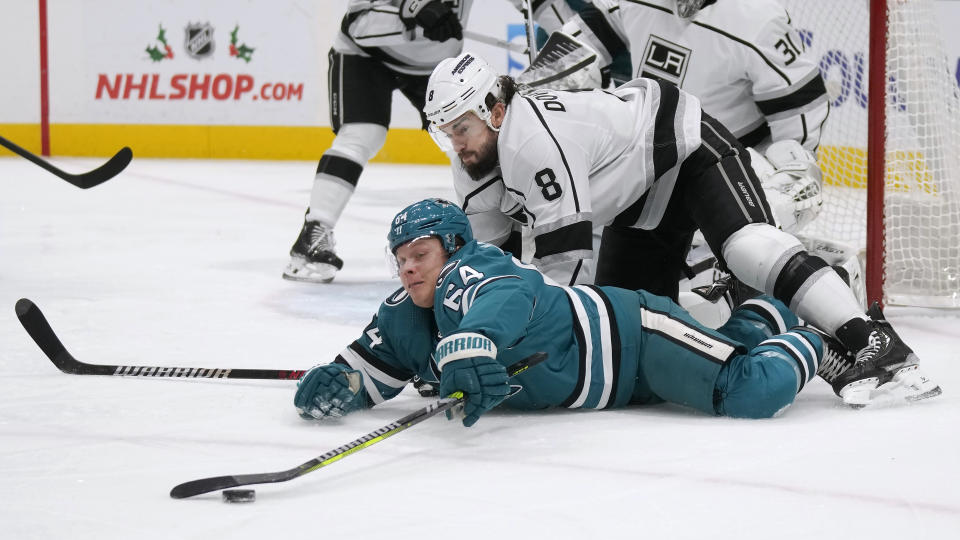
{"x": 239, "y": 495}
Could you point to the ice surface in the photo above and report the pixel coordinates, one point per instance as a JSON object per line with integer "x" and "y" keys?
{"x": 178, "y": 262}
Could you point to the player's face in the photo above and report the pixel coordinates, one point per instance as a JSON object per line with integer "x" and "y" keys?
{"x": 474, "y": 142}
{"x": 419, "y": 262}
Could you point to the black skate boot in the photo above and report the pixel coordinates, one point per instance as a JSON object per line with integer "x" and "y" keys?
{"x": 885, "y": 367}
{"x": 312, "y": 257}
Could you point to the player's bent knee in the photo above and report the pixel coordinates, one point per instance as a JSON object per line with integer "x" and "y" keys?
{"x": 756, "y": 254}
{"x": 755, "y": 387}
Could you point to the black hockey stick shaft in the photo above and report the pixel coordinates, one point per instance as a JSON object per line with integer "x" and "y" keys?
{"x": 85, "y": 180}
{"x": 39, "y": 329}
{"x": 206, "y": 485}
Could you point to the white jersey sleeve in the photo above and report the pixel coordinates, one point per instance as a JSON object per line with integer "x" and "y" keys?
{"x": 493, "y": 214}
{"x": 373, "y": 28}
{"x": 787, "y": 85}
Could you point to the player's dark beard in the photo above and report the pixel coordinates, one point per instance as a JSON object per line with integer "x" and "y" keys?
{"x": 487, "y": 159}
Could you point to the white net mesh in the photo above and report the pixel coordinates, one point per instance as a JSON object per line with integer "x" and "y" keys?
{"x": 922, "y": 196}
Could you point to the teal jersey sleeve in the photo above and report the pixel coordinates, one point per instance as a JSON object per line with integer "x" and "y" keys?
{"x": 395, "y": 346}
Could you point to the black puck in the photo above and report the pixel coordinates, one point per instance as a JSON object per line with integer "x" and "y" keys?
{"x": 239, "y": 495}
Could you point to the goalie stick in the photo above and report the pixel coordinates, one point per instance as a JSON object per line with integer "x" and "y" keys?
{"x": 39, "y": 329}
{"x": 83, "y": 181}
{"x": 206, "y": 485}
{"x": 530, "y": 29}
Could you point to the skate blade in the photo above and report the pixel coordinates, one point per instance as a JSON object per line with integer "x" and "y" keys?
{"x": 310, "y": 272}
{"x": 858, "y": 393}
{"x": 908, "y": 385}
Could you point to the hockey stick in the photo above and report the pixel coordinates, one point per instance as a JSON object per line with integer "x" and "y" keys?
{"x": 206, "y": 485}
{"x": 39, "y": 329}
{"x": 503, "y": 44}
{"x": 531, "y": 32}
{"x": 83, "y": 181}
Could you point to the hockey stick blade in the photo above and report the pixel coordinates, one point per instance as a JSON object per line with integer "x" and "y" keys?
{"x": 40, "y": 330}
{"x": 206, "y": 485}
{"x": 85, "y": 180}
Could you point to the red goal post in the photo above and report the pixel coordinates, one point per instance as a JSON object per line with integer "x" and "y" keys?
{"x": 890, "y": 151}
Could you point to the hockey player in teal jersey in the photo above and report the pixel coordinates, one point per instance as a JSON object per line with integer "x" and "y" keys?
{"x": 477, "y": 309}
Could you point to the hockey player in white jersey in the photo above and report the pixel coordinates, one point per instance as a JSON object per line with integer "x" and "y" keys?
{"x": 647, "y": 163}
{"x": 751, "y": 70}
{"x": 742, "y": 58}
{"x": 382, "y": 46}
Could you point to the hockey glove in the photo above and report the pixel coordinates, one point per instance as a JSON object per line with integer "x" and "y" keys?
{"x": 330, "y": 391}
{"x": 468, "y": 364}
{"x": 439, "y": 22}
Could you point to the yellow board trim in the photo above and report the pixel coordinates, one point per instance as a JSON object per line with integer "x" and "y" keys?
{"x": 403, "y": 145}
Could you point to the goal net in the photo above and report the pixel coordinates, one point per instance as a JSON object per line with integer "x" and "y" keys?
{"x": 920, "y": 135}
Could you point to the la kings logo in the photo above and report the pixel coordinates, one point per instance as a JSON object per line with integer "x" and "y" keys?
{"x": 664, "y": 60}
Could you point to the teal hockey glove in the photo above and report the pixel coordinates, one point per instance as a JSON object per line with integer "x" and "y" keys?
{"x": 330, "y": 391}
{"x": 468, "y": 364}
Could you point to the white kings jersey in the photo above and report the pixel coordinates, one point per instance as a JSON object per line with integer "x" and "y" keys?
{"x": 574, "y": 160}
{"x": 742, "y": 58}
{"x": 373, "y": 28}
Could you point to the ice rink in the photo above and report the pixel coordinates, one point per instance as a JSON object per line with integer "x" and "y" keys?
{"x": 178, "y": 263}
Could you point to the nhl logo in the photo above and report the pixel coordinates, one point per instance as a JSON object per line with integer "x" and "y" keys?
{"x": 198, "y": 40}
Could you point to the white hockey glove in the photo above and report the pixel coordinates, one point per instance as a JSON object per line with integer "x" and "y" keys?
{"x": 791, "y": 181}
{"x": 564, "y": 63}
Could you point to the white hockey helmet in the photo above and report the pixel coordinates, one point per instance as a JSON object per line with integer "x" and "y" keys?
{"x": 459, "y": 85}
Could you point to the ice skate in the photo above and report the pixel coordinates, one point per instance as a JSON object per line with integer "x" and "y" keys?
{"x": 886, "y": 370}
{"x": 312, "y": 257}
